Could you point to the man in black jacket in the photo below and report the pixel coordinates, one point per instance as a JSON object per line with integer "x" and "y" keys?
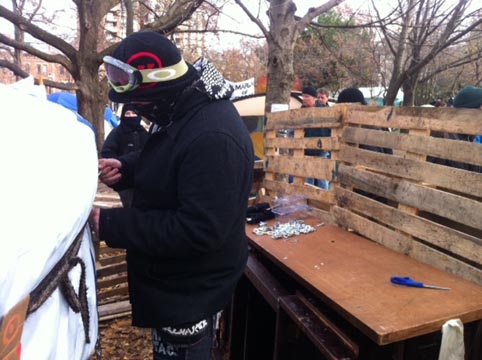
{"x": 128, "y": 137}
{"x": 185, "y": 233}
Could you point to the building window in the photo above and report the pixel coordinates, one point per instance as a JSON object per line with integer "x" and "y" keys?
{"x": 46, "y": 70}
{"x": 39, "y": 69}
{"x": 27, "y": 68}
{"x": 61, "y": 70}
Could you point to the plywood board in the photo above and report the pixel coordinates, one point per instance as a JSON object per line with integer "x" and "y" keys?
{"x": 352, "y": 276}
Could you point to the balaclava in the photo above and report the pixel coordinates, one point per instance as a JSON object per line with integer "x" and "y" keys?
{"x": 130, "y": 122}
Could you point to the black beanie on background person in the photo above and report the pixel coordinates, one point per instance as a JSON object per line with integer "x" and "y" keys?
{"x": 126, "y": 108}
{"x": 310, "y": 90}
{"x": 351, "y": 95}
{"x": 151, "y": 50}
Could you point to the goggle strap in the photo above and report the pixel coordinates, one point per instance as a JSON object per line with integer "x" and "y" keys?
{"x": 167, "y": 73}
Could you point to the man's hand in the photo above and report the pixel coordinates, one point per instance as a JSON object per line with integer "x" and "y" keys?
{"x": 109, "y": 171}
{"x": 94, "y": 220}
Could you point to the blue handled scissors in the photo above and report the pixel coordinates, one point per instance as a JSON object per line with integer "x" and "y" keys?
{"x": 408, "y": 281}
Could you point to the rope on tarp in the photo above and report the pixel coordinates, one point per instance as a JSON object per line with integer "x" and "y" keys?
{"x": 58, "y": 277}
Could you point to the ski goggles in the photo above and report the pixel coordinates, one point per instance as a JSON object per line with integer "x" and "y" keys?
{"x": 123, "y": 77}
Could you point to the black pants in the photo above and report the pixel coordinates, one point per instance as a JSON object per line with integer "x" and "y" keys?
{"x": 187, "y": 342}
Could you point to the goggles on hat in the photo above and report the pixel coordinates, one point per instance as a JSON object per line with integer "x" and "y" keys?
{"x": 123, "y": 77}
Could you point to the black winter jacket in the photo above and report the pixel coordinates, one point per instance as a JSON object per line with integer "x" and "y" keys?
{"x": 123, "y": 140}
{"x": 185, "y": 235}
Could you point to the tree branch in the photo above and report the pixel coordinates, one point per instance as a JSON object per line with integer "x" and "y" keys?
{"x": 254, "y": 19}
{"x": 38, "y": 33}
{"x": 60, "y": 59}
{"x": 19, "y": 72}
{"x": 316, "y": 11}
{"x": 175, "y": 15}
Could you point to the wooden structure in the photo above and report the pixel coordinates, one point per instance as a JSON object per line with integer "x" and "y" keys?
{"x": 112, "y": 289}
{"x": 407, "y": 212}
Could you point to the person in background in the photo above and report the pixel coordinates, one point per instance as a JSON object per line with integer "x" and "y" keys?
{"x": 185, "y": 232}
{"x": 322, "y": 95}
{"x": 128, "y": 137}
{"x": 351, "y": 95}
{"x": 438, "y": 103}
{"x": 310, "y": 99}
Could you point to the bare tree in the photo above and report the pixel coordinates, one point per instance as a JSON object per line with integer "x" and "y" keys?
{"x": 83, "y": 62}
{"x": 284, "y": 29}
{"x": 337, "y": 51}
{"x": 426, "y": 28}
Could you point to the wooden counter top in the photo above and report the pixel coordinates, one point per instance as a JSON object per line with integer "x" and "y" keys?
{"x": 352, "y": 275}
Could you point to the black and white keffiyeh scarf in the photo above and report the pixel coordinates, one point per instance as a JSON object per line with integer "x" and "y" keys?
{"x": 211, "y": 81}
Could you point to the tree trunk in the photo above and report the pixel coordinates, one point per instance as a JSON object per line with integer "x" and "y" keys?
{"x": 408, "y": 94}
{"x": 91, "y": 98}
{"x": 281, "y": 42}
{"x": 280, "y": 75}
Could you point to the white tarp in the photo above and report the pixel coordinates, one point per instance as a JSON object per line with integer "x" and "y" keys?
{"x": 47, "y": 188}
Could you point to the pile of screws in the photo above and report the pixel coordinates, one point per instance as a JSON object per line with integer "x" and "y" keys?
{"x": 283, "y": 230}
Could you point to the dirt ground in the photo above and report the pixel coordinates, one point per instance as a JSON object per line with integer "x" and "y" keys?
{"x": 121, "y": 341}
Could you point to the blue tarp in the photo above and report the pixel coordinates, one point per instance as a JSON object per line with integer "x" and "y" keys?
{"x": 69, "y": 101}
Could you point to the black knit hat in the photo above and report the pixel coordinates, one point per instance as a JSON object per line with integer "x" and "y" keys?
{"x": 126, "y": 108}
{"x": 151, "y": 50}
{"x": 310, "y": 90}
{"x": 351, "y": 95}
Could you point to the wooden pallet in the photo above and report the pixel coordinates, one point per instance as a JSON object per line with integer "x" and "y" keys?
{"x": 429, "y": 211}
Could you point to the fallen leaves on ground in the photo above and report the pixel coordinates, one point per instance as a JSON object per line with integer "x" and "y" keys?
{"x": 119, "y": 340}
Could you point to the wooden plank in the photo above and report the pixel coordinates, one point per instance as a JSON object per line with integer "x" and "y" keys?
{"x": 107, "y": 310}
{"x": 404, "y": 244}
{"x": 459, "y": 243}
{"x": 309, "y": 191}
{"x": 118, "y": 291}
{"x": 107, "y": 197}
{"x": 324, "y": 143}
{"x": 309, "y": 167}
{"x": 457, "y": 208}
{"x": 378, "y": 233}
{"x": 327, "y": 337}
{"x": 264, "y": 282}
{"x": 305, "y": 118}
{"x": 108, "y": 251}
{"x": 103, "y": 283}
{"x": 463, "y": 121}
{"x": 351, "y": 275}
{"x": 111, "y": 270}
{"x": 466, "y": 182}
{"x": 112, "y": 259}
{"x": 463, "y": 151}
{"x": 107, "y": 204}
{"x": 269, "y": 135}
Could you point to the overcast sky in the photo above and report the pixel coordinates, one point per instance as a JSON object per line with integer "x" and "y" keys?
{"x": 235, "y": 18}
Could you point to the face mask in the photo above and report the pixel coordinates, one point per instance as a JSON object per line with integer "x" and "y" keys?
{"x": 131, "y": 121}
{"x": 158, "y": 112}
